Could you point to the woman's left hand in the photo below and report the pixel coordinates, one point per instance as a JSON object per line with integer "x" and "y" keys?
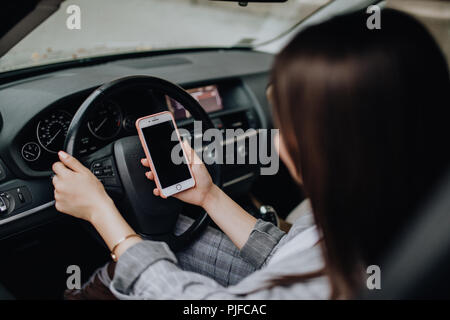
{"x": 77, "y": 191}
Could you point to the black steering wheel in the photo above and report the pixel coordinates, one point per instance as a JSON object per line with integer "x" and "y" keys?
{"x": 152, "y": 217}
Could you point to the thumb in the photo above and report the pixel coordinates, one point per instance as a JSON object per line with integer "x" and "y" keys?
{"x": 187, "y": 151}
{"x": 191, "y": 154}
{"x": 70, "y": 162}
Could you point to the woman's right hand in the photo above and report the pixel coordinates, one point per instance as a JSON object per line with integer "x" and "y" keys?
{"x": 227, "y": 214}
{"x": 203, "y": 182}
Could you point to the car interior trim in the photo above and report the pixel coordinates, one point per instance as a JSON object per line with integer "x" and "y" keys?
{"x": 27, "y": 213}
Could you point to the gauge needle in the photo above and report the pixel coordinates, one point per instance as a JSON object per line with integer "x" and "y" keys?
{"x": 100, "y": 125}
{"x": 53, "y": 138}
{"x": 27, "y": 152}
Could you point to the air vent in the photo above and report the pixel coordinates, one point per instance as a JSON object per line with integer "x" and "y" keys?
{"x": 151, "y": 63}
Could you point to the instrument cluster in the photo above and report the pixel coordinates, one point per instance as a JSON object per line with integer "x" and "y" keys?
{"x": 47, "y": 134}
{"x": 111, "y": 118}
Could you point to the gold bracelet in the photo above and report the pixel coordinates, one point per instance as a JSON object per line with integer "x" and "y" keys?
{"x": 113, "y": 254}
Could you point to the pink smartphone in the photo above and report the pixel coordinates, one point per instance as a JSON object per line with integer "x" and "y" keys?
{"x": 156, "y": 132}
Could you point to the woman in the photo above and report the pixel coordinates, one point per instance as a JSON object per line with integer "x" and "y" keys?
{"x": 364, "y": 130}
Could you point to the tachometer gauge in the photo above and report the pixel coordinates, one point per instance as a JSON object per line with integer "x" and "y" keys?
{"x": 52, "y": 130}
{"x": 31, "y": 151}
{"x": 106, "y": 120}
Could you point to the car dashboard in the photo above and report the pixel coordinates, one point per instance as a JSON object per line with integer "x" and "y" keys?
{"x": 36, "y": 113}
{"x": 115, "y": 117}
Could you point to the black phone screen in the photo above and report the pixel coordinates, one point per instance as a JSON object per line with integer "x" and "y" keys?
{"x": 160, "y": 146}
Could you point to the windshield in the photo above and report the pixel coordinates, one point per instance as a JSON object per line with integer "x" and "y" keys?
{"x": 87, "y": 28}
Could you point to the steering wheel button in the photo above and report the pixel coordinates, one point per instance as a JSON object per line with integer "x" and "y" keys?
{"x": 98, "y": 172}
{"x": 96, "y": 165}
{"x": 178, "y": 186}
{"x": 110, "y": 182}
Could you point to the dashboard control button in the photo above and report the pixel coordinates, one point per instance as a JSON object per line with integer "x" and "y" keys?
{"x": 14, "y": 199}
{"x": 3, "y": 205}
{"x": 20, "y": 195}
{"x": 7, "y": 203}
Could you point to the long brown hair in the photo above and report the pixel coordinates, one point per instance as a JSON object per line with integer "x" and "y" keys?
{"x": 364, "y": 116}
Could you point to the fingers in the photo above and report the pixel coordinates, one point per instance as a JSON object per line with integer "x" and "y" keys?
{"x": 58, "y": 181}
{"x": 56, "y": 195}
{"x": 71, "y": 162}
{"x": 190, "y": 153}
{"x": 149, "y": 175}
{"x": 55, "y": 179}
{"x": 196, "y": 159}
{"x": 145, "y": 163}
{"x": 187, "y": 150}
{"x": 60, "y": 169}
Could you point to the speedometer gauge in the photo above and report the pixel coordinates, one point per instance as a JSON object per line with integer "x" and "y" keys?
{"x": 52, "y": 130}
{"x": 106, "y": 120}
